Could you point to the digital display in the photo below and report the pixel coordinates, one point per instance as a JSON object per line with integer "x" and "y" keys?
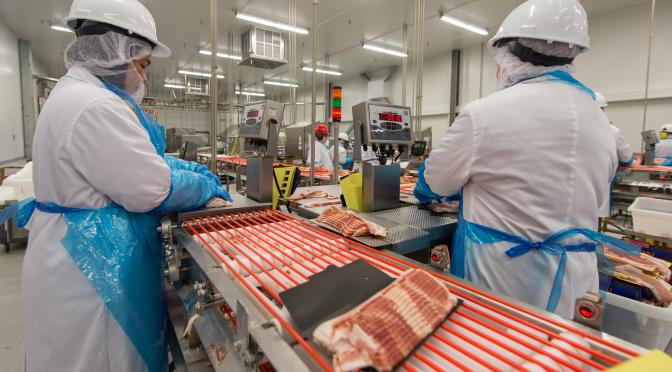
{"x": 389, "y": 116}
{"x": 253, "y": 113}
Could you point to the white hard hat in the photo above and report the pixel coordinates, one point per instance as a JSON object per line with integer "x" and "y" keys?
{"x": 562, "y": 21}
{"x": 129, "y": 15}
{"x": 600, "y": 100}
{"x": 666, "y": 128}
{"x": 343, "y": 137}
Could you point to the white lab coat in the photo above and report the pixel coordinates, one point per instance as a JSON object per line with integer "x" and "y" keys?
{"x": 664, "y": 148}
{"x": 531, "y": 160}
{"x": 367, "y": 155}
{"x": 342, "y": 154}
{"x": 322, "y": 158}
{"x": 89, "y": 149}
{"x": 624, "y": 155}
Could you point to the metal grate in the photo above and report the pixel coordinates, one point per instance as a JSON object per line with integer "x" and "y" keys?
{"x": 269, "y": 252}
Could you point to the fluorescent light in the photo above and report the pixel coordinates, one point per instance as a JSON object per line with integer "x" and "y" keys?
{"x": 256, "y": 94}
{"x": 220, "y": 55}
{"x": 384, "y": 50}
{"x": 268, "y": 22}
{"x": 467, "y": 26}
{"x": 200, "y": 74}
{"x": 60, "y": 28}
{"x": 322, "y": 71}
{"x": 281, "y": 83}
{"x": 175, "y": 86}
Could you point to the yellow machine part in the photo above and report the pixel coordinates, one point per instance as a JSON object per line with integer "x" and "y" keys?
{"x": 351, "y": 187}
{"x": 285, "y": 177}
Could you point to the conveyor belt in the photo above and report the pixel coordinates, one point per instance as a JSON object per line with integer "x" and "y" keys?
{"x": 268, "y": 251}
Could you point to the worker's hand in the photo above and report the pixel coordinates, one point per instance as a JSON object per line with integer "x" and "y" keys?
{"x": 218, "y": 203}
{"x": 637, "y": 159}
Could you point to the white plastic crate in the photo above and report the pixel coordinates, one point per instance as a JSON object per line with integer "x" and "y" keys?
{"x": 652, "y": 216}
{"x": 646, "y": 325}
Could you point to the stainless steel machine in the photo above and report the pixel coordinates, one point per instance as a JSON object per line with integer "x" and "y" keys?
{"x": 227, "y": 268}
{"x": 388, "y": 130}
{"x": 650, "y": 138}
{"x": 259, "y": 129}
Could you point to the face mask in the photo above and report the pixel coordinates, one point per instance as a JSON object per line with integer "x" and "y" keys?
{"x": 134, "y": 79}
{"x": 139, "y": 94}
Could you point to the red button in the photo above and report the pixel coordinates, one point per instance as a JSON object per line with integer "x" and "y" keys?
{"x": 436, "y": 257}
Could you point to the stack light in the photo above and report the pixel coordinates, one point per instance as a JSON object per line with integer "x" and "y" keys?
{"x": 336, "y": 99}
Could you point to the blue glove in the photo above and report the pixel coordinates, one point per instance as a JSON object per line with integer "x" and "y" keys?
{"x": 424, "y": 194}
{"x": 175, "y": 163}
{"x": 190, "y": 190}
{"x": 348, "y": 163}
{"x": 667, "y": 162}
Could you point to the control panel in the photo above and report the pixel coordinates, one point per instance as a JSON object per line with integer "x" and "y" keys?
{"x": 383, "y": 123}
{"x": 257, "y": 117}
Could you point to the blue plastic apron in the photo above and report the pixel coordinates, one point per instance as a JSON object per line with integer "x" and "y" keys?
{"x": 470, "y": 235}
{"x": 120, "y": 254}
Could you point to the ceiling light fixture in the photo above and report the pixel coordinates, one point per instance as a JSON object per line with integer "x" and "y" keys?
{"x": 200, "y": 74}
{"x": 256, "y": 94}
{"x": 174, "y": 86}
{"x": 323, "y": 71}
{"x": 379, "y": 49}
{"x": 465, "y": 25}
{"x": 268, "y": 22}
{"x": 60, "y": 28}
{"x": 281, "y": 83}
{"x": 206, "y": 52}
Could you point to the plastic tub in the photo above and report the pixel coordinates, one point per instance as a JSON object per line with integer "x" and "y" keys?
{"x": 646, "y": 325}
{"x": 23, "y": 187}
{"x": 652, "y": 216}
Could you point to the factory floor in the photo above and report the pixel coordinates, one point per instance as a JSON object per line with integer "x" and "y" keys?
{"x": 11, "y": 314}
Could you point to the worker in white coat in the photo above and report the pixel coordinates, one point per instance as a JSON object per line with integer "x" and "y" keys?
{"x": 368, "y": 155}
{"x": 623, "y": 153}
{"x": 92, "y": 277}
{"x": 664, "y": 147}
{"x": 322, "y": 158}
{"x": 343, "y": 143}
{"x": 532, "y": 163}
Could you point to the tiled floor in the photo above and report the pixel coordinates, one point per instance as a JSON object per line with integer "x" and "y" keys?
{"x": 11, "y": 315}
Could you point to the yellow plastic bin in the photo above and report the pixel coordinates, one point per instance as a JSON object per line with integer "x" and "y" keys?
{"x": 351, "y": 187}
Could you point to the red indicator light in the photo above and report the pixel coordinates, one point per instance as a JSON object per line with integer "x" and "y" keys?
{"x": 436, "y": 257}
{"x": 586, "y": 312}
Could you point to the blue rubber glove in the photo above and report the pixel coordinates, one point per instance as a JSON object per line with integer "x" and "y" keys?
{"x": 424, "y": 194}
{"x": 190, "y": 190}
{"x": 667, "y": 162}
{"x": 175, "y": 163}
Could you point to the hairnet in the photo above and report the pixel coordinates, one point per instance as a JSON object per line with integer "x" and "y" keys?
{"x": 513, "y": 70}
{"x": 109, "y": 57}
{"x": 554, "y": 48}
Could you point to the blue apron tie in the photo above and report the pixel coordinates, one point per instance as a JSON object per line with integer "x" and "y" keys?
{"x": 564, "y": 77}
{"x": 484, "y": 235}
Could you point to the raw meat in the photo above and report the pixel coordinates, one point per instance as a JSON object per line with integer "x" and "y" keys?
{"x": 445, "y": 207}
{"x": 322, "y": 203}
{"x": 643, "y": 262}
{"x": 309, "y": 194}
{"x": 218, "y": 203}
{"x": 385, "y": 329}
{"x": 407, "y": 179}
{"x": 349, "y": 224}
{"x": 661, "y": 289}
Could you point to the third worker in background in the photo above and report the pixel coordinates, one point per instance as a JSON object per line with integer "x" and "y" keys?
{"x": 532, "y": 163}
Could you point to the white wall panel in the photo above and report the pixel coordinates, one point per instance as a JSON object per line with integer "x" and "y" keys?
{"x": 11, "y": 126}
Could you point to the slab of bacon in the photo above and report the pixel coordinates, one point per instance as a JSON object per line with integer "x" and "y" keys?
{"x": 661, "y": 289}
{"x": 385, "y": 329}
{"x": 309, "y": 194}
{"x": 349, "y": 224}
{"x": 322, "y": 203}
{"x": 643, "y": 262}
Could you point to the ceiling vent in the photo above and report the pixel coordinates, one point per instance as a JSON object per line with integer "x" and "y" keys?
{"x": 262, "y": 48}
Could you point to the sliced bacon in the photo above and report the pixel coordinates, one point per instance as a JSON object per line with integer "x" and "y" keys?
{"x": 322, "y": 203}
{"x": 660, "y": 288}
{"x": 386, "y": 328}
{"x": 349, "y": 224}
{"x": 643, "y": 262}
{"x": 309, "y": 194}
